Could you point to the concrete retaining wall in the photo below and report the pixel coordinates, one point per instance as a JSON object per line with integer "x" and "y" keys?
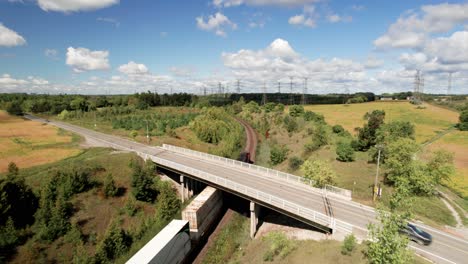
{"x": 202, "y": 211}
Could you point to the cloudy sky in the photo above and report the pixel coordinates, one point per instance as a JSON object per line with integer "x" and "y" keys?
{"x": 112, "y": 46}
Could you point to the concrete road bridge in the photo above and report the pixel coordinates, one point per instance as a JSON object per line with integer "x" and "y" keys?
{"x": 329, "y": 209}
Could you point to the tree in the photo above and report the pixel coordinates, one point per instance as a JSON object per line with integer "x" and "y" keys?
{"x": 115, "y": 243}
{"x": 295, "y": 162}
{"x": 109, "y": 186}
{"x": 399, "y": 163}
{"x": 463, "y": 125}
{"x": 319, "y": 171}
{"x": 344, "y": 152}
{"x": 168, "y": 203}
{"x": 142, "y": 182}
{"x": 367, "y": 134}
{"x": 387, "y": 245}
{"x": 440, "y": 166}
{"x": 17, "y": 200}
{"x": 296, "y": 110}
{"x": 278, "y": 154}
{"x": 14, "y": 108}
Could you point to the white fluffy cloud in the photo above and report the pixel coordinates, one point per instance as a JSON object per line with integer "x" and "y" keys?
{"x": 440, "y": 55}
{"x": 302, "y": 20}
{"x": 373, "y": 62}
{"x": 10, "y": 38}
{"x": 335, "y": 18}
{"x": 229, "y": 3}
{"x": 82, "y": 59}
{"x": 74, "y": 5}
{"x": 412, "y": 29}
{"x": 451, "y": 50}
{"x": 279, "y": 61}
{"x": 216, "y": 23}
{"x": 30, "y": 84}
{"x": 133, "y": 68}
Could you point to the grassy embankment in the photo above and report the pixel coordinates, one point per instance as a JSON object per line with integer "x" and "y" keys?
{"x": 358, "y": 176}
{"x": 92, "y": 211}
{"x": 29, "y": 143}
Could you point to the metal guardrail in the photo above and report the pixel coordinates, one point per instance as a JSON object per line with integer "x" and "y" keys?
{"x": 259, "y": 195}
{"x": 285, "y": 176}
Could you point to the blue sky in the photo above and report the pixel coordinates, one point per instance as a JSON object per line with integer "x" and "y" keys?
{"x": 111, "y": 46}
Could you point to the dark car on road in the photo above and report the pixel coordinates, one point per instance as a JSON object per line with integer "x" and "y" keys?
{"x": 416, "y": 234}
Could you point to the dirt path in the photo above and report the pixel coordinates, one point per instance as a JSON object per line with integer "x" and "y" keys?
{"x": 251, "y": 140}
{"x": 454, "y": 213}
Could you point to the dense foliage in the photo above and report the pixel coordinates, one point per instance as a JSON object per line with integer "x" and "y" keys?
{"x": 142, "y": 181}
{"x": 344, "y": 152}
{"x": 214, "y": 125}
{"x": 278, "y": 154}
{"x": 463, "y": 125}
{"x": 319, "y": 171}
{"x": 367, "y": 134}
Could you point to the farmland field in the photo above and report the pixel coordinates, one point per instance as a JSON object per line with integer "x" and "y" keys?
{"x": 457, "y": 143}
{"x": 29, "y": 143}
{"x": 428, "y": 121}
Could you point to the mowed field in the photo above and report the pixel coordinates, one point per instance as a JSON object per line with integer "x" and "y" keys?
{"x": 29, "y": 143}
{"x": 457, "y": 143}
{"x": 428, "y": 121}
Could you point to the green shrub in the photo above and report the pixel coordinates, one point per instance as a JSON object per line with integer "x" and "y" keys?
{"x": 168, "y": 203}
{"x": 295, "y": 163}
{"x": 278, "y": 154}
{"x": 296, "y": 110}
{"x": 349, "y": 244}
{"x": 463, "y": 125}
{"x": 280, "y": 246}
{"x": 131, "y": 207}
{"x": 338, "y": 129}
{"x": 344, "y": 152}
{"x": 319, "y": 171}
{"x": 110, "y": 190}
{"x": 115, "y": 243}
{"x": 290, "y": 124}
{"x": 312, "y": 116}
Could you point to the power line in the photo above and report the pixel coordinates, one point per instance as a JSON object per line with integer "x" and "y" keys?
{"x": 238, "y": 86}
{"x": 264, "y": 97}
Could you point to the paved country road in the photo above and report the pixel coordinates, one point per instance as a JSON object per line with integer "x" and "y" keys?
{"x": 445, "y": 248}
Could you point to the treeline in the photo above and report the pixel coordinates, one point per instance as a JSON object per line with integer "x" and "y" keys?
{"x": 294, "y": 99}
{"x": 55, "y": 104}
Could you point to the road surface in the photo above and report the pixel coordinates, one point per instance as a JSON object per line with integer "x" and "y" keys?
{"x": 445, "y": 248}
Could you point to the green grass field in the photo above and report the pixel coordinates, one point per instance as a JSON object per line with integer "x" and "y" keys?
{"x": 428, "y": 121}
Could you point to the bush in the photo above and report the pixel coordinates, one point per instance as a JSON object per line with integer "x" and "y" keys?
{"x": 279, "y": 245}
{"x": 463, "y": 125}
{"x": 115, "y": 243}
{"x": 338, "y": 129}
{"x": 142, "y": 182}
{"x": 109, "y": 186}
{"x": 312, "y": 116}
{"x": 131, "y": 207}
{"x": 296, "y": 110}
{"x": 290, "y": 124}
{"x": 14, "y": 108}
{"x": 319, "y": 171}
{"x": 168, "y": 203}
{"x": 344, "y": 152}
{"x": 295, "y": 163}
{"x": 278, "y": 154}
{"x": 349, "y": 244}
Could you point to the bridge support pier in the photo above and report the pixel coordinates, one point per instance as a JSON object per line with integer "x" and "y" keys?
{"x": 254, "y": 208}
{"x": 182, "y": 188}
{"x": 191, "y": 186}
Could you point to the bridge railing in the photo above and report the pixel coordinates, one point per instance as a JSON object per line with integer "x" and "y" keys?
{"x": 288, "y": 206}
{"x": 346, "y": 194}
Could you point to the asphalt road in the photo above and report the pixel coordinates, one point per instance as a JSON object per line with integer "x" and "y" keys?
{"x": 445, "y": 248}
